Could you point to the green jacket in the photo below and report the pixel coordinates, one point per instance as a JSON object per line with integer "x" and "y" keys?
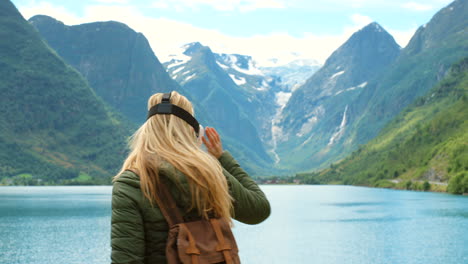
{"x": 139, "y": 231}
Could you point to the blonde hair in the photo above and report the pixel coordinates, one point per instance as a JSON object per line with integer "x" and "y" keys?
{"x": 169, "y": 138}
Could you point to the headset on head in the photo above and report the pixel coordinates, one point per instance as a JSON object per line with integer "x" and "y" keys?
{"x": 166, "y": 108}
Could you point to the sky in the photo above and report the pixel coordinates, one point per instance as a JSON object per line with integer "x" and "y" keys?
{"x": 264, "y": 29}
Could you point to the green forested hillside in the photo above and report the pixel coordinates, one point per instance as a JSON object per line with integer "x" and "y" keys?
{"x": 426, "y": 143}
{"x": 117, "y": 62}
{"x": 53, "y": 128}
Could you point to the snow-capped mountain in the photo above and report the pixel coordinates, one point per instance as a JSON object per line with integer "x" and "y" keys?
{"x": 206, "y": 77}
{"x": 266, "y": 90}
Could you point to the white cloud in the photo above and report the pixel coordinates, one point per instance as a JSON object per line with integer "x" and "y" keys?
{"x": 220, "y": 5}
{"x": 402, "y": 37}
{"x": 360, "y": 20}
{"x": 112, "y": 1}
{"x": 416, "y": 6}
{"x": 167, "y": 36}
{"x": 57, "y": 12}
{"x": 160, "y": 4}
{"x": 357, "y": 3}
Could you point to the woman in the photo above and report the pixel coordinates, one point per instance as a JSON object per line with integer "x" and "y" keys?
{"x": 166, "y": 148}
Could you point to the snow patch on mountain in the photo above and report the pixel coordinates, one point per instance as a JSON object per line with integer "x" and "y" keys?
{"x": 177, "y": 60}
{"x": 222, "y": 65}
{"x": 282, "y": 98}
{"x": 338, "y": 134}
{"x": 238, "y": 80}
{"x": 378, "y": 27}
{"x": 362, "y": 85}
{"x": 336, "y": 75}
{"x": 307, "y": 126}
{"x": 178, "y": 70}
{"x": 250, "y": 69}
{"x": 189, "y": 77}
{"x": 264, "y": 86}
{"x": 312, "y": 119}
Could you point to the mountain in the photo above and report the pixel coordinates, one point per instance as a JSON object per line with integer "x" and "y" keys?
{"x": 135, "y": 74}
{"x": 54, "y": 129}
{"x": 266, "y": 89}
{"x": 311, "y": 128}
{"x": 364, "y": 112}
{"x": 118, "y": 62}
{"x": 259, "y": 89}
{"x": 424, "y": 143}
{"x": 424, "y": 62}
{"x": 234, "y": 96}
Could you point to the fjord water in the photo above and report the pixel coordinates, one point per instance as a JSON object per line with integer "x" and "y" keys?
{"x": 309, "y": 224}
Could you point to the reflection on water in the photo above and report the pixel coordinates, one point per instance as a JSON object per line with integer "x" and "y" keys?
{"x": 449, "y": 213}
{"x": 309, "y": 224}
{"x": 357, "y": 204}
{"x": 377, "y": 219}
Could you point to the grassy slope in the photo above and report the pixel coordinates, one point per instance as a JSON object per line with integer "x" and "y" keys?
{"x": 53, "y": 128}
{"x": 426, "y": 142}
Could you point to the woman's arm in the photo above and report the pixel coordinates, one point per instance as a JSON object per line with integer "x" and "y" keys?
{"x": 127, "y": 232}
{"x": 250, "y": 203}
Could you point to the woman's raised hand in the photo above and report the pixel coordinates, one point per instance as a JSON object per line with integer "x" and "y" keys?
{"x": 213, "y": 143}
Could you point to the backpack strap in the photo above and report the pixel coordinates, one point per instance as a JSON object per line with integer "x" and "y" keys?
{"x": 224, "y": 247}
{"x": 166, "y": 203}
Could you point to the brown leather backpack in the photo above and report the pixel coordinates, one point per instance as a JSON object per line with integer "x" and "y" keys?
{"x": 197, "y": 242}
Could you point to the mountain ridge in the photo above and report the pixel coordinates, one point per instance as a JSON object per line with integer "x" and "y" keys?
{"x": 117, "y": 61}
{"x": 316, "y": 116}
{"x": 54, "y": 129}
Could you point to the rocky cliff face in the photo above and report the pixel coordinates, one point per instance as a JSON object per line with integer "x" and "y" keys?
{"x": 339, "y": 119}
{"x": 317, "y": 115}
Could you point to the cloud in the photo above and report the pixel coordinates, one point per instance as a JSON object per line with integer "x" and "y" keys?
{"x": 402, "y": 37}
{"x": 160, "y": 5}
{"x": 220, "y": 5}
{"x": 166, "y": 36}
{"x": 112, "y": 1}
{"x": 361, "y": 20}
{"x": 57, "y": 12}
{"x": 416, "y": 6}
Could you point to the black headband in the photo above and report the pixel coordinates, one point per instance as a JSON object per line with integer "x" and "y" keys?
{"x": 166, "y": 108}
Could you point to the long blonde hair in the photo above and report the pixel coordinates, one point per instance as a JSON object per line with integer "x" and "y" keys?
{"x": 169, "y": 138}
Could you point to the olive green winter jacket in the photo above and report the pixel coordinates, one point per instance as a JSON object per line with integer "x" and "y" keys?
{"x": 139, "y": 231}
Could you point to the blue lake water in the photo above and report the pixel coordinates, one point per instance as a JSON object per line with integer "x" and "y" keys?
{"x": 309, "y": 224}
